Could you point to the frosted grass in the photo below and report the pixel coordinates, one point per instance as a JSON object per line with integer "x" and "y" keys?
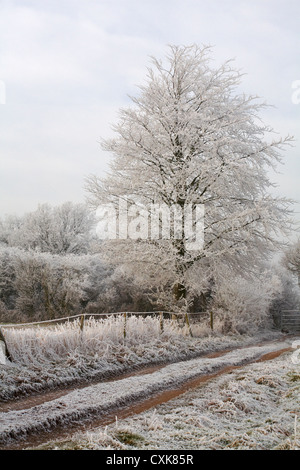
{"x": 99, "y": 398}
{"x": 52, "y": 343}
{"x": 45, "y": 357}
{"x": 253, "y": 408}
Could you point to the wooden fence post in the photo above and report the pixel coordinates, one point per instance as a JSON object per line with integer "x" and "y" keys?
{"x": 125, "y": 320}
{"x": 211, "y": 315}
{"x": 82, "y": 318}
{"x": 6, "y": 351}
{"x": 81, "y": 326}
{"x": 161, "y": 321}
{"x": 188, "y": 323}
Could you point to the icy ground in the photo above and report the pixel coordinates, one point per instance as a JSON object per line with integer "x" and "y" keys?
{"x": 195, "y": 420}
{"x": 255, "y": 407}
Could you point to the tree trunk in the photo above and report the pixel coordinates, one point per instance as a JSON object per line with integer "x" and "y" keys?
{"x": 179, "y": 291}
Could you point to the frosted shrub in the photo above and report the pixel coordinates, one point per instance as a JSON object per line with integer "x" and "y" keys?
{"x": 243, "y": 305}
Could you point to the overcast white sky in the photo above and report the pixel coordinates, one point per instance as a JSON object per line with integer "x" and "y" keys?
{"x": 68, "y": 66}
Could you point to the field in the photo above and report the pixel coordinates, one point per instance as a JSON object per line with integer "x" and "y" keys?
{"x": 254, "y": 406}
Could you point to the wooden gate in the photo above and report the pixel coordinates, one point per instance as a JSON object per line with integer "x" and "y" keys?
{"x": 290, "y": 321}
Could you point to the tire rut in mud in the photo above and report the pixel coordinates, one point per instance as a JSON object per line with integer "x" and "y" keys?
{"x": 84, "y": 424}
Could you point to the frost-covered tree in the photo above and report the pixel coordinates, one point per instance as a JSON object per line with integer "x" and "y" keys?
{"x": 10, "y": 227}
{"x": 191, "y": 138}
{"x": 64, "y": 229}
{"x": 244, "y": 304}
{"x": 289, "y": 296}
{"x": 291, "y": 259}
{"x": 8, "y": 291}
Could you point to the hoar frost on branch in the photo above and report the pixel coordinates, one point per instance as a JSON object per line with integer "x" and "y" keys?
{"x": 190, "y": 138}
{"x": 64, "y": 229}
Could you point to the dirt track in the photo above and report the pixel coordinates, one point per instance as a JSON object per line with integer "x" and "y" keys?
{"x": 61, "y": 432}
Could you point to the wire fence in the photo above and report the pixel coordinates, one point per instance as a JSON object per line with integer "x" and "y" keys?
{"x": 84, "y": 316}
{"x": 290, "y": 320}
{"x": 182, "y": 319}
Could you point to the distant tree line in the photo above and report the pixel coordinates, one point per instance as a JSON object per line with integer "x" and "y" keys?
{"x": 50, "y": 267}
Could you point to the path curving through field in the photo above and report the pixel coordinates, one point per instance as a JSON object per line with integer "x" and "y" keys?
{"x": 57, "y": 415}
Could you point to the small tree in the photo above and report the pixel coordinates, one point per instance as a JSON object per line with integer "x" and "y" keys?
{"x": 190, "y": 139}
